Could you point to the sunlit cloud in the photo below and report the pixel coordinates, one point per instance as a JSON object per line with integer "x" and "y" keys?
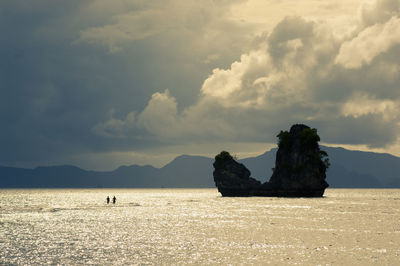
{"x": 369, "y": 43}
{"x": 362, "y": 104}
{"x": 288, "y": 78}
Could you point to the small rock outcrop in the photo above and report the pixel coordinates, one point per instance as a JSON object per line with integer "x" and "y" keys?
{"x": 233, "y": 178}
{"x": 300, "y": 169}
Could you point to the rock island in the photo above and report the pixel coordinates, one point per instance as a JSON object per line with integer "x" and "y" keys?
{"x": 300, "y": 169}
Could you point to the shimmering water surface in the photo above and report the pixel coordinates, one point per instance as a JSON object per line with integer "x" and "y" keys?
{"x": 198, "y": 226}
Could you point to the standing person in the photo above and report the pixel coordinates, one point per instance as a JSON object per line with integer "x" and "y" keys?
{"x": 114, "y": 199}
{"x": 108, "y": 199}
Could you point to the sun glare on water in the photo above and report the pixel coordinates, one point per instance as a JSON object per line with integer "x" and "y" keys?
{"x": 198, "y": 226}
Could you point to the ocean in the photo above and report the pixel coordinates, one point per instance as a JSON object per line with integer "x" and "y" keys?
{"x": 198, "y": 226}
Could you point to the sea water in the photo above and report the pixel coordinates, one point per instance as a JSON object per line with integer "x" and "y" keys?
{"x": 198, "y": 226}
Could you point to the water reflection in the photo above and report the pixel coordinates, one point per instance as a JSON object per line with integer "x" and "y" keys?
{"x": 197, "y": 226}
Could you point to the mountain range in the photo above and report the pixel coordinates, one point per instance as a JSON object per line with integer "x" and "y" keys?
{"x": 349, "y": 169}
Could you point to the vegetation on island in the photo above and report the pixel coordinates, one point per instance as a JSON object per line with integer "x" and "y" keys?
{"x": 223, "y": 156}
{"x": 308, "y": 138}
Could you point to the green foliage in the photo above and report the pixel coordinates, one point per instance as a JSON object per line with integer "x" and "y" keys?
{"x": 308, "y": 161}
{"x": 284, "y": 139}
{"x": 309, "y": 137}
{"x": 326, "y": 159}
{"x": 327, "y": 163}
{"x": 323, "y": 153}
{"x": 223, "y": 156}
{"x": 321, "y": 156}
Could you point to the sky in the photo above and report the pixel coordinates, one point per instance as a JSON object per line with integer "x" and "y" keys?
{"x": 102, "y": 83}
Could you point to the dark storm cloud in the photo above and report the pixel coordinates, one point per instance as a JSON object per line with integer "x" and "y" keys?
{"x": 350, "y": 130}
{"x": 290, "y": 28}
{"x": 52, "y": 90}
{"x": 56, "y": 85}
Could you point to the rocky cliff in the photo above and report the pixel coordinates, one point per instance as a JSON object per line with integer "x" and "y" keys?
{"x": 233, "y": 178}
{"x": 300, "y": 169}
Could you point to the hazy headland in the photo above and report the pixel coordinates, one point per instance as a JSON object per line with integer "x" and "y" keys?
{"x": 349, "y": 169}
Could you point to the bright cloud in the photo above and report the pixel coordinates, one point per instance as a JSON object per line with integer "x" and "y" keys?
{"x": 362, "y": 104}
{"x": 160, "y": 115}
{"x": 369, "y": 43}
{"x": 302, "y": 72}
{"x": 373, "y": 12}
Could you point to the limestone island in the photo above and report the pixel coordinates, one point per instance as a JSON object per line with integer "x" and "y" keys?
{"x": 300, "y": 169}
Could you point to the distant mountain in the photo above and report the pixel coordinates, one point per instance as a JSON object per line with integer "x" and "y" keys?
{"x": 349, "y": 169}
{"x": 183, "y": 171}
{"x": 188, "y": 171}
{"x": 261, "y": 166}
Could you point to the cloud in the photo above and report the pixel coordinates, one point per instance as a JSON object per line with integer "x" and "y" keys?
{"x": 347, "y": 86}
{"x": 160, "y": 115}
{"x": 369, "y": 43}
{"x": 66, "y": 65}
{"x": 115, "y": 127}
{"x": 128, "y": 27}
{"x": 201, "y": 21}
{"x": 378, "y": 12}
{"x": 362, "y": 104}
{"x": 88, "y": 77}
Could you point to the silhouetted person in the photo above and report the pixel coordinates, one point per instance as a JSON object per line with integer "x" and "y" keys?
{"x": 108, "y": 199}
{"x": 114, "y": 199}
